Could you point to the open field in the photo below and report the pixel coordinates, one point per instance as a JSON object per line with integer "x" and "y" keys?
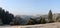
{"x": 48, "y": 25}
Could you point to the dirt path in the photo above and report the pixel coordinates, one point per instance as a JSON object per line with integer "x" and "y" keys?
{"x": 49, "y": 25}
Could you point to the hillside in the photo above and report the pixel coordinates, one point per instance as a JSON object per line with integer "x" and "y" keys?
{"x": 48, "y": 25}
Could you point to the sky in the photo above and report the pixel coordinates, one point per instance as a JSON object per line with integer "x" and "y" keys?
{"x": 30, "y": 7}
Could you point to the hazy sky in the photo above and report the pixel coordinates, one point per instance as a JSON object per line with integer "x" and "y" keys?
{"x": 30, "y": 7}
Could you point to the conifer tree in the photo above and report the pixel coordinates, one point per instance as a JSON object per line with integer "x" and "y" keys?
{"x": 50, "y": 16}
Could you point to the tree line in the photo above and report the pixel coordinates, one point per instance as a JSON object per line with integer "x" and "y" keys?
{"x": 7, "y": 17}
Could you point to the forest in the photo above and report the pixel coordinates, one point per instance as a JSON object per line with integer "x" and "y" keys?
{"x": 7, "y": 18}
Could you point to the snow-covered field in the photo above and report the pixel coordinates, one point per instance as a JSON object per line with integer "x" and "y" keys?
{"x": 48, "y": 25}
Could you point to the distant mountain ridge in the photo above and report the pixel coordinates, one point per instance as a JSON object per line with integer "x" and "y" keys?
{"x": 46, "y": 15}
